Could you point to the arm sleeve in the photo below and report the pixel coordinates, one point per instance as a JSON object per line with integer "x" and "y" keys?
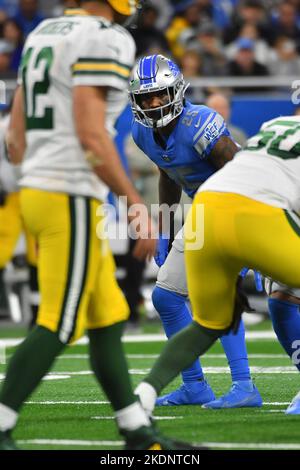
{"x": 104, "y": 58}
{"x": 212, "y": 128}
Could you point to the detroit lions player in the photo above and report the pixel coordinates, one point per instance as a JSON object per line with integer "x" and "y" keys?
{"x": 188, "y": 143}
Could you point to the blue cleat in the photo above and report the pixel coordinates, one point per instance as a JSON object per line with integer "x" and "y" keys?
{"x": 189, "y": 393}
{"x": 241, "y": 395}
{"x": 294, "y": 407}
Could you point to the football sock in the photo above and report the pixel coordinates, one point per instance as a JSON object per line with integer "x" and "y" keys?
{"x": 132, "y": 417}
{"x": 176, "y": 315}
{"x": 235, "y": 349}
{"x": 28, "y": 365}
{"x": 180, "y": 351}
{"x": 285, "y": 317}
{"x": 8, "y": 418}
{"x": 110, "y": 366}
{"x": 1, "y": 287}
{"x": 34, "y": 294}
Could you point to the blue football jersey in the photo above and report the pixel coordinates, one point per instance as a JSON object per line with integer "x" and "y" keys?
{"x": 185, "y": 158}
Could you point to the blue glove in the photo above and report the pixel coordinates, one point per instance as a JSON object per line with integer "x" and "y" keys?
{"x": 257, "y": 278}
{"x": 162, "y": 251}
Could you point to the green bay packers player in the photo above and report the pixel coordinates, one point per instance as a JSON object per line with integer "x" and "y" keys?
{"x": 11, "y": 224}
{"x": 252, "y": 218}
{"x": 73, "y": 81}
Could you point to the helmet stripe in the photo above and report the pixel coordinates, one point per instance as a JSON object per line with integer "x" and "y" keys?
{"x": 153, "y": 66}
{"x": 146, "y": 71}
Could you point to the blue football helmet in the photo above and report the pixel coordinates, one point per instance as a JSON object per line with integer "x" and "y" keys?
{"x": 158, "y": 75}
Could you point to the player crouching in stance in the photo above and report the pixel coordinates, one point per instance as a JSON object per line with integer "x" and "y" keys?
{"x": 188, "y": 143}
{"x": 251, "y": 210}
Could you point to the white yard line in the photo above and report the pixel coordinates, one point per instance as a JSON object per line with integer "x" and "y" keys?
{"x": 150, "y": 338}
{"x": 159, "y": 418}
{"x": 218, "y": 445}
{"x": 277, "y": 403}
{"x": 66, "y": 402}
{"x": 103, "y": 402}
{"x": 252, "y": 445}
{"x": 69, "y": 442}
{"x": 155, "y": 356}
{"x": 272, "y": 411}
{"x": 207, "y": 370}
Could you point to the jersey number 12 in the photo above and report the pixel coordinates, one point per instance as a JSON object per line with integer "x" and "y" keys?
{"x": 36, "y": 82}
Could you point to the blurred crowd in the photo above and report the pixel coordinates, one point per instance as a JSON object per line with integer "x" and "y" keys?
{"x": 206, "y": 37}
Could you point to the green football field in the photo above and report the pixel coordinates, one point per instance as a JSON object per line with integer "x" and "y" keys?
{"x": 68, "y": 411}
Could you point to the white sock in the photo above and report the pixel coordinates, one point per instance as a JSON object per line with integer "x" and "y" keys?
{"x": 147, "y": 395}
{"x": 132, "y": 417}
{"x": 8, "y": 418}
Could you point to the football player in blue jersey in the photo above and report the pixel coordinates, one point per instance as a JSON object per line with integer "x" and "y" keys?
{"x": 188, "y": 143}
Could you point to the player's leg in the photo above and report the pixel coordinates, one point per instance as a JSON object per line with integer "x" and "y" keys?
{"x": 211, "y": 282}
{"x": 10, "y": 230}
{"x": 170, "y": 299}
{"x": 60, "y": 224}
{"x": 31, "y": 258}
{"x": 284, "y": 303}
{"x": 243, "y": 392}
{"x": 229, "y": 244}
{"x": 107, "y": 314}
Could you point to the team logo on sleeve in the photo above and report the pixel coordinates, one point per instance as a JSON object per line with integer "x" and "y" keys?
{"x": 211, "y": 131}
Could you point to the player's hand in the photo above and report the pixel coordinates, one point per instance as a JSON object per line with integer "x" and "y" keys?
{"x": 2, "y": 198}
{"x": 241, "y": 304}
{"x": 162, "y": 250}
{"x": 257, "y": 278}
{"x": 146, "y": 244}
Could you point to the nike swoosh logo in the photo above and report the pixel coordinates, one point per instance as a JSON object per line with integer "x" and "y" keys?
{"x": 198, "y": 123}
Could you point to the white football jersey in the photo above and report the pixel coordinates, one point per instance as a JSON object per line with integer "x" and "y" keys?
{"x": 9, "y": 173}
{"x": 59, "y": 54}
{"x": 268, "y": 168}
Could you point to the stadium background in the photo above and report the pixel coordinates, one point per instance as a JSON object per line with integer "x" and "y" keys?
{"x": 207, "y": 38}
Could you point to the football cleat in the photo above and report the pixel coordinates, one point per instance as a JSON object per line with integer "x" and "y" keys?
{"x": 241, "y": 395}
{"x": 190, "y": 393}
{"x": 149, "y": 438}
{"x": 6, "y": 441}
{"x": 294, "y": 407}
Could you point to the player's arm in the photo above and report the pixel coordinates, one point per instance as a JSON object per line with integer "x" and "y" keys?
{"x": 89, "y": 104}
{"x": 169, "y": 193}
{"x": 223, "y": 151}
{"x": 15, "y": 136}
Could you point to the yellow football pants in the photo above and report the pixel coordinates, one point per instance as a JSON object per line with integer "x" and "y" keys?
{"x": 11, "y": 227}
{"x": 238, "y": 232}
{"x": 75, "y": 268}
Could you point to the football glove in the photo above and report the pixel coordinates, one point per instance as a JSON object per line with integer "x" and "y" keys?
{"x": 162, "y": 250}
{"x": 241, "y": 305}
{"x": 257, "y": 278}
{"x": 2, "y": 197}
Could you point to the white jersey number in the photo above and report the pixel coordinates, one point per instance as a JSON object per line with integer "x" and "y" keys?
{"x": 277, "y": 141}
{"x": 35, "y": 68}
